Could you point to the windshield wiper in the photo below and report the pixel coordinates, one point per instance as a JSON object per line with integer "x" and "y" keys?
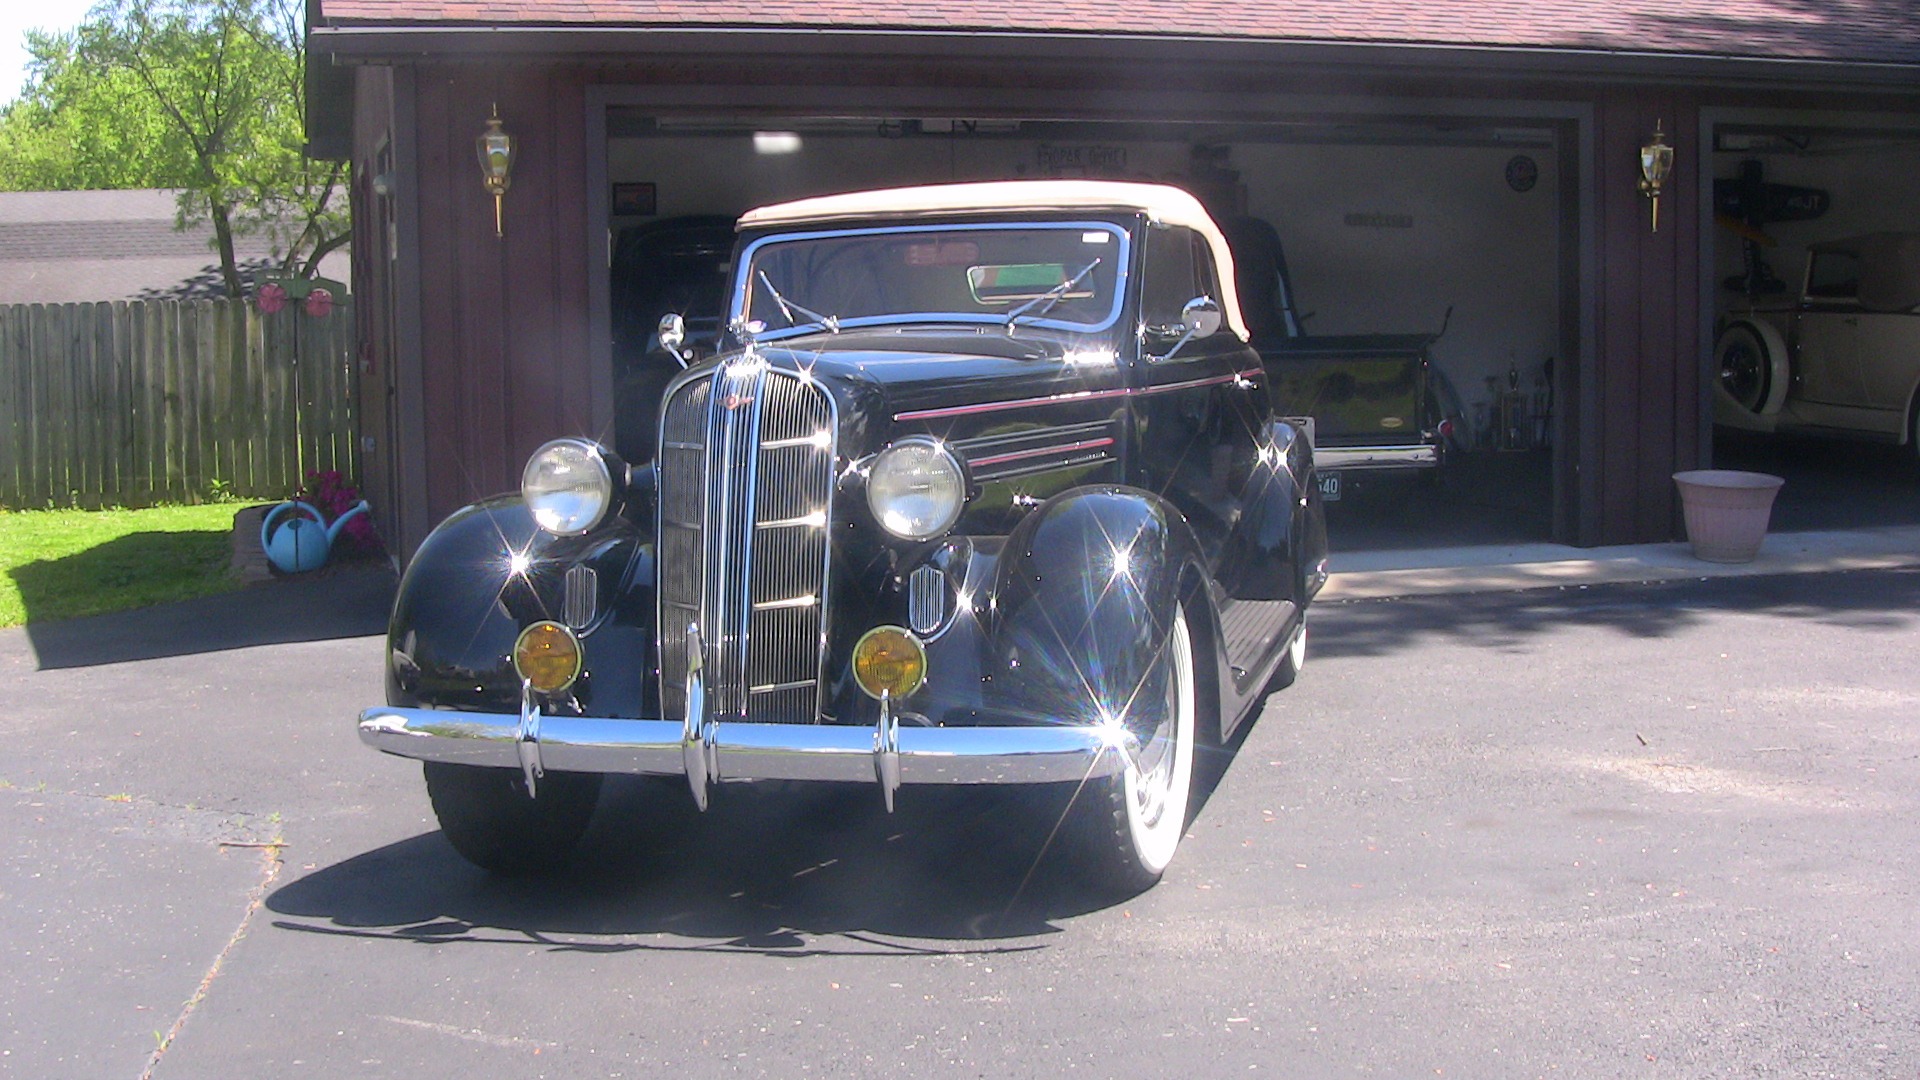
{"x": 1049, "y": 298}
{"x": 831, "y": 323}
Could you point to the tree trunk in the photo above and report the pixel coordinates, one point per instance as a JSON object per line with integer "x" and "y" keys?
{"x": 223, "y": 235}
{"x": 320, "y": 250}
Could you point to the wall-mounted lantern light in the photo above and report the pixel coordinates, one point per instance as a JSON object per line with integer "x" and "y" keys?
{"x": 495, "y": 147}
{"x": 1656, "y": 164}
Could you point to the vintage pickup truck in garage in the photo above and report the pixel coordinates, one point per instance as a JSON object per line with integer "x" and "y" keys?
{"x": 1371, "y": 396}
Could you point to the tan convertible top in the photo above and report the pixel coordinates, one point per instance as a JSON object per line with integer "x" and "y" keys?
{"x": 1159, "y": 202}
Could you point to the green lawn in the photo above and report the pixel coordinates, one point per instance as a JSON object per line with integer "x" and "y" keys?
{"x": 57, "y": 564}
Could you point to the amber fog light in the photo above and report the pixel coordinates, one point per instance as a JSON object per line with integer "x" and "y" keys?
{"x": 889, "y": 660}
{"x": 548, "y": 656}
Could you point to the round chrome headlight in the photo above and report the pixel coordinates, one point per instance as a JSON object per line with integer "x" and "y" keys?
{"x": 567, "y": 486}
{"x": 916, "y": 489}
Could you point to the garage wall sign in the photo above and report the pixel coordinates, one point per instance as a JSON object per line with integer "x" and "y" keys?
{"x": 1086, "y": 159}
{"x": 1379, "y": 221}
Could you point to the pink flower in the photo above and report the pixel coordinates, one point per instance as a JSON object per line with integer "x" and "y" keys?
{"x": 330, "y": 493}
{"x": 271, "y": 298}
{"x": 319, "y": 303}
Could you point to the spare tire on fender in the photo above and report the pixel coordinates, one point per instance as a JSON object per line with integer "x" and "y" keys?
{"x": 1750, "y": 365}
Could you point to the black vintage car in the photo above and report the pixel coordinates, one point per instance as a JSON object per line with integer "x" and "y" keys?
{"x": 988, "y": 489}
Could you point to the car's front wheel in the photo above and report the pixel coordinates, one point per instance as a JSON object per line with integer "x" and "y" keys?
{"x": 491, "y": 820}
{"x": 1132, "y": 822}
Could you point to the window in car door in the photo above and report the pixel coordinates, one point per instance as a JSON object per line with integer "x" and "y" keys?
{"x": 1168, "y": 279}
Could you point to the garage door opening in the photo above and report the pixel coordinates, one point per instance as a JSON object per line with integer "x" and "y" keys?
{"x": 1814, "y": 281}
{"x": 1449, "y": 228}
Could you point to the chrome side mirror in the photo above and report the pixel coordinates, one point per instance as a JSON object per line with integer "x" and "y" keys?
{"x": 673, "y": 334}
{"x": 1199, "y": 317}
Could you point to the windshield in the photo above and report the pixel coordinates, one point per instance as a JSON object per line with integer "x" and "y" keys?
{"x": 1066, "y": 275}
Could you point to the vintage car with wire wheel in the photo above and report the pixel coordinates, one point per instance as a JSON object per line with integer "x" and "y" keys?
{"x": 987, "y": 488}
{"x": 1843, "y": 359}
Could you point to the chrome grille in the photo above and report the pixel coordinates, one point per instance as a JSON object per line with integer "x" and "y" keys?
{"x": 746, "y": 475}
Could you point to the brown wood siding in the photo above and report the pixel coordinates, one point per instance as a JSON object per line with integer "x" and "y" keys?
{"x": 1641, "y": 403}
{"x": 502, "y": 360}
{"x": 373, "y": 296}
{"x": 1576, "y": 437}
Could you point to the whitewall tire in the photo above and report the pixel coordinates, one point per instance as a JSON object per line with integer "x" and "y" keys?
{"x": 1132, "y": 823}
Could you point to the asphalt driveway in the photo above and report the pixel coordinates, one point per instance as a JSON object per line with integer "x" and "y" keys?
{"x": 1625, "y": 830}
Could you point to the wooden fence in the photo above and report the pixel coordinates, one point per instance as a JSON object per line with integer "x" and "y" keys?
{"x": 135, "y": 403}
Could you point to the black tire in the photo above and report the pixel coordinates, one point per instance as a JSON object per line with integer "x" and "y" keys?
{"x": 1746, "y": 370}
{"x": 490, "y": 820}
{"x": 1125, "y": 828}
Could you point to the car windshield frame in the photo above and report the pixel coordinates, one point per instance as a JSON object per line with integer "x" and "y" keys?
{"x": 747, "y": 265}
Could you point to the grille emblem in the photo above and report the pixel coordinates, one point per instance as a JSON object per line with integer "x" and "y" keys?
{"x": 736, "y": 401}
{"x": 580, "y": 598}
{"x": 926, "y": 600}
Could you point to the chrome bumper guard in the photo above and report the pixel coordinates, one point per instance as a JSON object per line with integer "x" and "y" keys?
{"x": 885, "y": 754}
{"x": 1327, "y": 458}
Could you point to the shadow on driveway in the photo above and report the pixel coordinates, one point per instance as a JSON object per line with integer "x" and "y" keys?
{"x": 780, "y": 869}
{"x": 1867, "y": 600}
{"x": 343, "y": 601}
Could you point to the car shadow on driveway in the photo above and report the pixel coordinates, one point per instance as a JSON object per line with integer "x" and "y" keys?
{"x": 774, "y": 868}
{"x": 351, "y": 600}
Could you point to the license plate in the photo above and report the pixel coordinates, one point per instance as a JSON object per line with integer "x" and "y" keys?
{"x": 1330, "y": 486}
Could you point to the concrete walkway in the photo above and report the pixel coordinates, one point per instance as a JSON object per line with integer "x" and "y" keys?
{"x": 1497, "y": 568}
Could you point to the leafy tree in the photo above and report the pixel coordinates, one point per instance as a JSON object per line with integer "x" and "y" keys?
{"x": 73, "y": 131}
{"x": 207, "y": 96}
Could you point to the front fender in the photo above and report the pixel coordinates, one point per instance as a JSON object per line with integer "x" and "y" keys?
{"x": 1084, "y": 595}
{"x": 485, "y": 573}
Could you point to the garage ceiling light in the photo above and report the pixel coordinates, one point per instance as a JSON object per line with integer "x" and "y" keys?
{"x": 776, "y": 142}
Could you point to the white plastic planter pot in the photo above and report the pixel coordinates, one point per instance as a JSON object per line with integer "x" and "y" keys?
{"x": 1727, "y": 512}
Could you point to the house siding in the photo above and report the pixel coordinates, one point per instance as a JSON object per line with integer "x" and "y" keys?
{"x": 1646, "y": 382}
{"x": 504, "y": 355}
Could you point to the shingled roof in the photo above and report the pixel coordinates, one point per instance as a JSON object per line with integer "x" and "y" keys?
{"x": 1844, "y": 31}
{"x": 69, "y": 247}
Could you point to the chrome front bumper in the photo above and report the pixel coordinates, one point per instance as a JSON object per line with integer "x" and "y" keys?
{"x": 885, "y": 753}
{"x": 1327, "y": 458}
